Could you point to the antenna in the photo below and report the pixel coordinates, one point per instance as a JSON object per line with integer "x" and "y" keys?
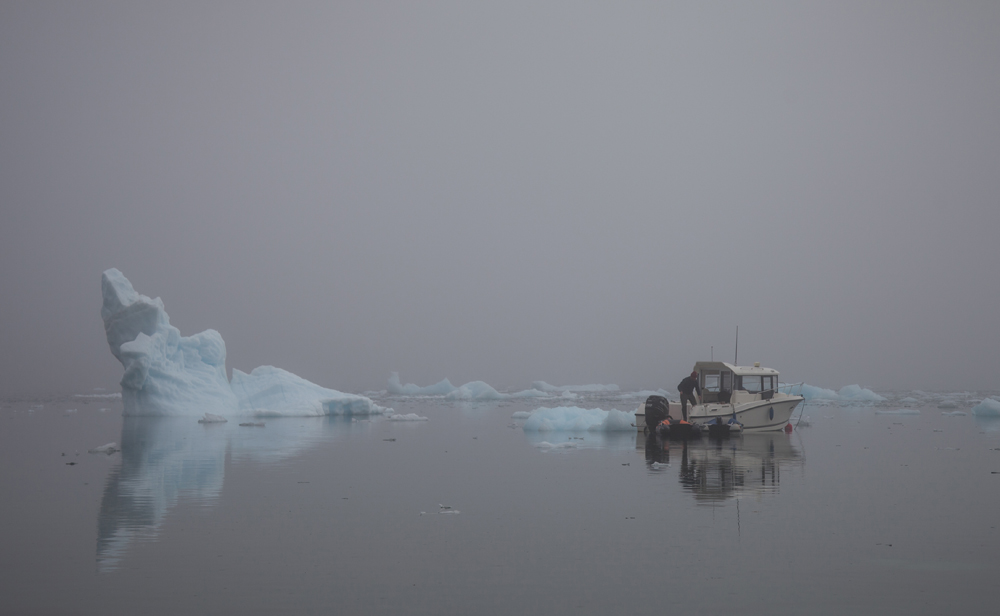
{"x": 713, "y": 354}
{"x": 737, "y": 354}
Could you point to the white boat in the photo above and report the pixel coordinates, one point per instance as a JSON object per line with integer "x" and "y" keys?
{"x": 748, "y": 393}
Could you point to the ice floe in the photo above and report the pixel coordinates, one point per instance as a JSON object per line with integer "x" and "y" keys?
{"x": 573, "y": 418}
{"x": 441, "y": 388}
{"x": 407, "y": 417}
{"x": 989, "y": 407}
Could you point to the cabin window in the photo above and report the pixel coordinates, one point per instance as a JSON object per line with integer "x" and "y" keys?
{"x": 752, "y": 384}
{"x": 727, "y": 381}
{"x": 711, "y": 381}
{"x": 756, "y": 384}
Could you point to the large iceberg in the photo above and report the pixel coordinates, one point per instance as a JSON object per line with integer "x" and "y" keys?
{"x": 167, "y": 374}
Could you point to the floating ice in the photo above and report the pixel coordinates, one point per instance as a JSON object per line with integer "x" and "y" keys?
{"x": 115, "y": 395}
{"x": 479, "y": 390}
{"x": 543, "y": 386}
{"x": 989, "y": 407}
{"x": 210, "y": 418}
{"x": 953, "y": 414}
{"x": 407, "y": 417}
{"x": 948, "y": 404}
{"x": 909, "y": 400}
{"x": 898, "y": 412}
{"x": 172, "y": 375}
{"x": 521, "y": 415}
{"x": 545, "y": 445}
{"x": 572, "y": 418}
{"x": 859, "y": 394}
{"x": 110, "y": 448}
{"x": 848, "y": 393}
{"x": 440, "y": 388}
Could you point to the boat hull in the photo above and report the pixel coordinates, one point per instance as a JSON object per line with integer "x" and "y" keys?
{"x": 756, "y": 416}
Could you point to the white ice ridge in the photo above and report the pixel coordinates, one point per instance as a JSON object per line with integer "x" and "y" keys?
{"x": 474, "y": 390}
{"x": 440, "y": 388}
{"x": 167, "y": 374}
{"x": 848, "y": 393}
{"x": 543, "y": 386}
{"x": 574, "y": 418}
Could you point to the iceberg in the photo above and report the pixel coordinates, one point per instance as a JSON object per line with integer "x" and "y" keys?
{"x": 989, "y": 407}
{"x": 441, "y": 388}
{"x": 167, "y": 374}
{"x": 574, "y": 418}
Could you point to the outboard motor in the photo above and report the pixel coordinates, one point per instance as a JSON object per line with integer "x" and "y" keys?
{"x": 657, "y": 409}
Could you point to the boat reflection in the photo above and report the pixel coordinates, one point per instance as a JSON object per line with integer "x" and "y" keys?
{"x": 166, "y": 460}
{"x": 714, "y": 470}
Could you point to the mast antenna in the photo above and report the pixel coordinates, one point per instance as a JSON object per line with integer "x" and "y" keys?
{"x": 737, "y": 354}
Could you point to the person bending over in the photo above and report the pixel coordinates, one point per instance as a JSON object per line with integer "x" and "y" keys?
{"x": 687, "y": 387}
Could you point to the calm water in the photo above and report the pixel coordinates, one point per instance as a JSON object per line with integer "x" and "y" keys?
{"x": 865, "y": 510}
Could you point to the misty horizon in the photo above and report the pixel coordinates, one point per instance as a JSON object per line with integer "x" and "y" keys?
{"x": 510, "y": 192}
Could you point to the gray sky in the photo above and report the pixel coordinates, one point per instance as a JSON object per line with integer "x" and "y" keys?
{"x": 507, "y": 191}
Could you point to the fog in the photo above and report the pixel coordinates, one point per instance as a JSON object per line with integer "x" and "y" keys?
{"x": 564, "y": 191}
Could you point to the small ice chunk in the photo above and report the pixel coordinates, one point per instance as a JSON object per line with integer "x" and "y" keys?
{"x": 251, "y": 424}
{"x": 953, "y": 414}
{"x": 110, "y": 448}
{"x": 948, "y": 404}
{"x": 898, "y": 412}
{"x": 407, "y": 417}
{"x": 521, "y": 415}
{"x": 70, "y": 410}
{"x": 545, "y": 445}
{"x": 210, "y": 418}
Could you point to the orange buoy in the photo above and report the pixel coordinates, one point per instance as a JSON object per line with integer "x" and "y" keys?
{"x": 788, "y": 428}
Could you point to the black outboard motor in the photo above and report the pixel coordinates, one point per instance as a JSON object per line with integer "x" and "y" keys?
{"x": 657, "y": 409}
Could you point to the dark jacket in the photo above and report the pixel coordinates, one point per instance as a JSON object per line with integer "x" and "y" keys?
{"x": 688, "y": 385}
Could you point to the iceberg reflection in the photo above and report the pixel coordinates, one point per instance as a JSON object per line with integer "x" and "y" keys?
{"x": 168, "y": 459}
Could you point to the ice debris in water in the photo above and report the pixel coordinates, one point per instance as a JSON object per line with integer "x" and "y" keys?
{"x": 110, "y": 448}
{"x": 167, "y": 374}
{"x": 545, "y": 445}
{"x": 573, "y": 418}
{"x": 521, "y": 415}
{"x": 407, "y": 417}
{"x": 953, "y": 413}
{"x": 440, "y": 388}
{"x": 989, "y": 407}
{"x": 948, "y": 404}
{"x": 211, "y": 418}
{"x": 478, "y": 390}
{"x": 543, "y": 386}
{"x": 848, "y": 393}
{"x": 898, "y": 412}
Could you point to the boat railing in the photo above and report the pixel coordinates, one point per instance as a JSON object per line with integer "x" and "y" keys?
{"x": 789, "y": 388}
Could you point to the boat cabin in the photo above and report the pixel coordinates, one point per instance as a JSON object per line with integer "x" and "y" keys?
{"x": 721, "y": 382}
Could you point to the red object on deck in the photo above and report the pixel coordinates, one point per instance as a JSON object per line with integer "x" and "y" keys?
{"x": 788, "y": 428}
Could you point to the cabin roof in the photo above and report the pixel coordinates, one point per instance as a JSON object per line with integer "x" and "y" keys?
{"x": 739, "y": 370}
